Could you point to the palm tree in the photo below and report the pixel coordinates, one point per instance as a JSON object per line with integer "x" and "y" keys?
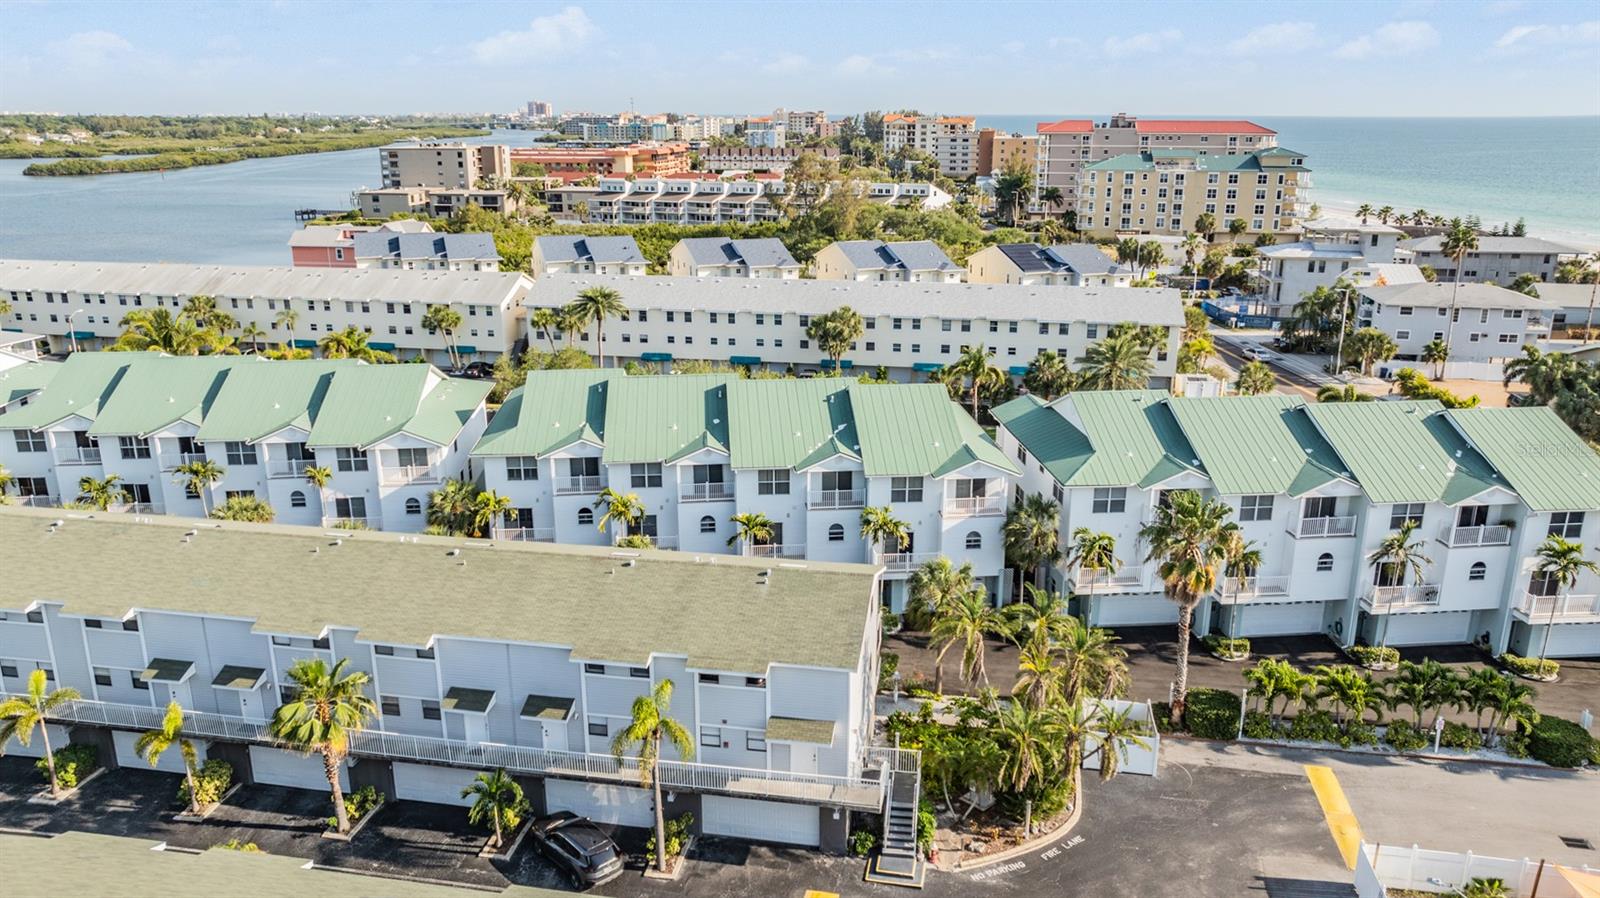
{"x": 1112, "y": 732}
{"x": 158, "y": 330}
{"x": 752, "y": 528}
{"x": 20, "y": 715}
{"x": 548, "y": 321}
{"x": 1546, "y": 373}
{"x": 966, "y": 621}
{"x": 203, "y": 311}
{"x": 1048, "y": 376}
{"x": 153, "y": 744}
{"x": 1459, "y": 240}
{"x": 244, "y": 508}
{"x": 497, "y": 798}
{"x": 1561, "y": 563}
{"x": 1192, "y": 538}
{"x": 318, "y": 477}
{"x": 1420, "y": 217}
{"x": 1032, "y": 535}
{"x": 1351, "y": 691}
{"x": 287, "y": 319}
{"x": 1042, "y": 617}
{"x": 648, "y": 727}
{"x": 5, "y": 481}
{"x": 488, "y": 508}
{"x": 1116, "y": 363}
{"x": 974, "y": 364}
{"x": 1256, "y": 378}
{"x": 1051, "y": 196}
{"x": 329, "y": 707}
{"x": 934, "y": 585}
{"x": 351, "y": 343}
{"x": 1385, "y": 213}
{"x": 1236, "y": 228}
{"x": 879, "y": 527}
{"x": 1128, "y": 254}
{"x": 596, "y": 304}
{"x": 1029, "y": 738}
{"x": 1370, "y": 345}
{"x": 626, "y": 509}
{"x": 1512, "y": 704}
{"x": 1092, "y": 664}
{"x": 446, "y": 321}
{"x": 1038, "y": 675}
{"x": 101, "y": 492}
{"x": 1364, "y": 211}
{"x": 1436, "y": 353}
{"x": 1206, "y": 223}
{"x": 1347, "y": 393}
{"x": 1398, "y": 555}
{"x": 1094, "y": 551}
{"x": 1192, "y": 245}
{"x": 835, "y": 332}
{"x": 198, "y": 477}
{"x": 253, "y": 333}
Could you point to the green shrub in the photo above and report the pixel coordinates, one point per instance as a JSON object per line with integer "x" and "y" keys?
{"x": 1559, "y": 742}
{"x": 211, "y": 781}
{"x": 926, "y": 823}
{"x": 1212, "y": 714}
{"x": 359, "y": 804}
{"x": 1459, "y": 735}
{"x": 1403, "y": 737}
{"x": 677, "y": 836}
{"x": 236, "y": 845}
{"x": 1314, "y": 726}
{"x": 1516, "y": 744}
{"x": 1163, "y": 712}
{"x": 1369, "y": 655}
{"x": 1258, "y": 725}
{"x": 1224, "y": 646}
{"x": 73, "y": 765}
{"x": 1530, "y": 667}
{"x": 888, "y": 663}
{"x": 862, "y": 842}
{"x": 891, "y": 622}
{"x": 1357, "y": 733}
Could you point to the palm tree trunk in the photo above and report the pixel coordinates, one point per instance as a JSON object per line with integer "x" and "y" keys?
{"x": 330, "y": 765}
{"x": 194, "y": 793}
{"x": 49, "y": 755}
{"x": 1180, "y": 691}
{"x": 938, "y": 669}
{"x": 600, "y": 353}
{"x": 661, "y": 824}
{"x": 499, "y": 837}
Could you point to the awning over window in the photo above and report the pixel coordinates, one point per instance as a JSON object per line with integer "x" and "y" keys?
{"x": 927, "y": 366}
{"x": 744, "y": 360}
{"x": 656, "y": 356}
{"x": 167, "y": 670}
{"x": 547, "y": 707}
{"x": 844, "y": 363}
{"x": 471, "y": 701}
{"x": 237, "y": 676}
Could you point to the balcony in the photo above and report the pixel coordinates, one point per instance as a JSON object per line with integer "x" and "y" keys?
{"x": 1095, "y": 583}
{"x": 172, "y": 461}
{"x": 289, "y": 468}
{"x": 1469, "y": 537}
{"x": 706, "y": 492}
{"x": 903, "y": 562}
{"x": 974, "y": 506}
{"x": 527, "y": 534}
{"x": 784, "y": 550}
{"x": 1244, "y": 589}
{"x": 863, "y": 792}
{"x": 855, "y": 498}
{"x": 1385, "y": 599}
{"x": 138, "y": 508}
{"x": 579, "y": 486}
{"x": 78, "y": 455}
{"x": 1537, "y": 609}
{"x": 1316, "y": 528}
{"x": 337, "y": 522}
{"x": 406, "y": 475}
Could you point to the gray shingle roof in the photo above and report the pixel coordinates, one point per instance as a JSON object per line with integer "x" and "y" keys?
{"x": 1471, "y": 296}
{"x": 758, "y": 253}
{"x": 908, "y": 255}
{"x": 1488, "y": 244}
{"x": 1082, "y": 258}
{"x": 598, "y": 250}
{"x": 406, "y": 247}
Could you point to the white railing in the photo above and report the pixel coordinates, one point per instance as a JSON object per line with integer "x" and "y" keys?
{"x": 783, "y": 550}
{"x": 1490, "y": 535}
{"x": 1343, "y": 525}
{"x": 36, "y": 501}
{"x": 1383, "y": 598}
{"x": 338, "y": 522}
{"x": 1095, "y": 582}
{"x": 78, "y": 455}
{"x": 706, "y": 492}
{"x": 289, "y": 467}
{"x": 1236, "y": 588}
{"x": 400, "y": 475}
{"x": 974, "y": 506}
{"x": 856, "y": 792}
{"x": 578, "y": 486}
{"x": 854, "y": 498}
{"x": 172, "y": 461}
{"x": 663, "y": 542}
{"x": 1540, "y": 609}
{"x": 138, "y": 508}
{"x": 904, "y": 561}
{"x": 527, "y": 534}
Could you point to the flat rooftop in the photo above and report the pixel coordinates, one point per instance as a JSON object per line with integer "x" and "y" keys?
{"x": 620, "y": 606}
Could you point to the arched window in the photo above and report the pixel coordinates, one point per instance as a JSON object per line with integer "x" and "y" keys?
{"x": 1478, "y": 571}
{"x": 835, "y": 533}
{"x": 1325, "y": 562}
{"x": 413, "y": 506}
{"x": 586, "y": 517}
{"x": 708, "y": 524}
{"x": 974, "y": 539}
{"x": 297, "y": 499}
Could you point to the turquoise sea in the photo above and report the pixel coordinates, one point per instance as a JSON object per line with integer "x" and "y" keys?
{"x": 1546, "y": 170}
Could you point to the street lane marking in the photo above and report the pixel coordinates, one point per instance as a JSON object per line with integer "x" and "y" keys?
{"x": 1336, "y": 808}
{"x": 813, "y": 893}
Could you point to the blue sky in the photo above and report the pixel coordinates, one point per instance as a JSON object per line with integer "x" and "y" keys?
{"x": 1397, "y": 57}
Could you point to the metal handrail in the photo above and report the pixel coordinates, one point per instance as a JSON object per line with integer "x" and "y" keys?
{"x": 1483, "y": 535}
{"x": 974, "y": 506}
{"x": 1536, "y": 607}
{"x": 527, "y": 534}
{"x": 852, "y": 498}
{"x": 776, "y": 550}
{"x": 705, "y": 492}
{"x": 1341, "y": 525}
{"x": 78, "y": 455}
{"x": 578, "y": 485}
{"x": 402, "y": 474}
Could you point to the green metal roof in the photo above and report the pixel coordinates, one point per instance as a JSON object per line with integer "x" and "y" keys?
{"x": 1050, "y": 439}
{"x": 547, "y": 707}
{"x": 258, "y": 400}
{"x": 470, "y": 701}
{"x": 158, "y": 392}
{"x": 1136, "y": 440}
{"x": 716, "y": 615}
{"x": 24, "y": 380}
{"x": 81, "y": 385}
{"x": 794, "y": 729}
{"x": 369, "y": 403}
{"x": 1549, "y": 466}
{"x": 554, "y": 410}
{"x": 666, "y": 417}
{"x": 1388, "y": 447}
{"x": 791, "y": 423}
{"x": 915, "y": 430}
{"x": 1249, "y": 445}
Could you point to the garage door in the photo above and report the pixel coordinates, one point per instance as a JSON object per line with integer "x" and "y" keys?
{"x": 440, "y": 785}
{"x": 1276, "y": 620}
{"x": 58, "y": 741}
{"x": 287, "y": 768}
{"x": 1128, "y": 611}
{"x": 764, "y": 821}
{"x": 1568, "y": 641}
{"x": 171, "y": 760}
{"x": 622, "y": 805}
{"x": 1449, "y": 628}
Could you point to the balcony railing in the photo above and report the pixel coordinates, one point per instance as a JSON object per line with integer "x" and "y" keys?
{"x": 1537, "y": 609}
{"x": 900, "y": 562}
{"x": 1490, "y": 535}
{"x": 138, "y": 508}
{"x": 706, "y": 492}
{"x": 1241, "y": 589}
{"x": 974, "y": 506}
{"x": 855, "y": 498}
{"x": 1384, "y": 598}
{"x": 337, "y": 522}
{"x": 172, "y": 461}
{"x": 783, "y": 550}
{"x": 579, "y": 486}
{"x": 289, "y": 467}
{"x": 37, "y": 501}
{"x": 528, "y": 534}
{"x": 1093, "y": 582}
{"x": 78, "y": 455}
{"x": 401, "y": 475}
{"x": 864, "y": 792}
{"x": 1313, "y": 528}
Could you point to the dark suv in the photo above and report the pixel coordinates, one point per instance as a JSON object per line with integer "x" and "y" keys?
{"x": 579, "y": 847}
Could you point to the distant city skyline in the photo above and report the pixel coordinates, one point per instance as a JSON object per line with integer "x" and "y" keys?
{"x": 1402, "y": 58}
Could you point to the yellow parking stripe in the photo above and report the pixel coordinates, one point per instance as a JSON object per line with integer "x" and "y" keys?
{"x": 1336, "y": 808}
{"x": 813, "y": 893}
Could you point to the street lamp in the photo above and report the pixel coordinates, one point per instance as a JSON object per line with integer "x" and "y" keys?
{"x": 72, "y": 334}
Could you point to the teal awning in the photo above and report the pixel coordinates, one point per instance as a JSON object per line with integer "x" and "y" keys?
{"x": 14, "y": 330}
{"x": 656, "y": 356}
{"x": 1018, "y": 370}
{"x": 744, "y": 360}
{"x": 827, "y": 364}
{"x": 386, "y": 347}
{"x": 305, "y": 344}
{"x": 467, "y": 350}
{"x": 927, "y": 366}
{"x": 83, "y": 335}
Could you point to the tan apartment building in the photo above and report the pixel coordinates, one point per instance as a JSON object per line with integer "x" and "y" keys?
{"x": 448, "y": 165}
{"x": 1163, "y": 191}
{"x": 644, "y": 160}
{"x": 997, "y": 149}
{"x": 800, "y": 122}
{"x": 1065, "y": 147}
{"x": 951, "y": 140}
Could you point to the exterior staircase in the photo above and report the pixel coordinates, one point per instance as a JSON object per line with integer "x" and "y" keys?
{"x": 898, "y": 861}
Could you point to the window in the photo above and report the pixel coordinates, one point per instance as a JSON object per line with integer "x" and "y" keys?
{"x": 1255, "y": 508}
{"x": 413, "y": 505}
{"x": 425, "y": 654}
{"x": 391, "y": 705}
{"x": 411, "y": 458}
{"x": 594, "y": 668}
{"x": 598, "y": 727}
{"x": 835, "y": 533}
{"x": 1478, "y": 571}
{"x": 240, "y": 453}
{"x": 1567, "y": 524}
{"x": 350, "y": 508}
{"x": 1109, "y": 500}
{"x": 772, "y": 482}
{"x": 92, "y": 623}
{"x": 36, "y": 617}
{"x": 586, "y": 517}
{"x": 710, "y": 678}
{"x": 974, "y": 539}
{"x": 905, "y": 489}
{"x": 1403, "y": 512}
{"x": 522, "y": 467}
{"x": 8, "y": 669}
{"x": 1324, "y": 563}
{"x": 641, "y": 673}
{"x": 28, "y": 441}
{"x": 430, "y": 709}
{"x": 645, "y": 475}
{"x": 383, "y": 649}
{"x": 102, "y": 676}
{"x": 754, "y": 741}
{"x": 282, "y": 640}
{"x": 347, "y": 458}
{"x": 297, "y": 499}
{"x": 710, "y": 737}
{"x": 321, "y": 642}
{"x": 133, "y": 447}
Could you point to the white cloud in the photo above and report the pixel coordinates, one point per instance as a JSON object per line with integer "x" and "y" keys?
{"x": 1013, "y": 47}
{"x": 1393, "y": 38}
{"x": 786, "y": 63}
{"x": 91, "y": 48}
{"x": 1279, "y": 37}
{"x": 858, "y": 65}
{"x": 546, "y": 35}
{"x": 1523, "y": 36}
{"x": 1066, "y": 43}
{"x": 1144, "y": 42}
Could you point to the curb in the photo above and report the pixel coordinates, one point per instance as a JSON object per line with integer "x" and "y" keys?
{"x": 1026, "y": 847}
{"x": 1413, "y": 756}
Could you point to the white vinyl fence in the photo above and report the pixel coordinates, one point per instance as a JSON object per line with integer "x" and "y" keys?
{"x": 1132, "y": 757}
{"x": 1381, "y": 867}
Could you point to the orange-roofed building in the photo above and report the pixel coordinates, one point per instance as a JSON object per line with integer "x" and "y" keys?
{"x": 575, "y": 164}
{"x": 952, "y": 140}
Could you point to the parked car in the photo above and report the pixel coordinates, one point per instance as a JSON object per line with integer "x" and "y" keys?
{"x": 476, "y": 371}
{"x": 579, "y": 848}
{"x": 1257, "y": 353}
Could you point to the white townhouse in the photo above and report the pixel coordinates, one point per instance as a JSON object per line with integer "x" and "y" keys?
{"x": 1316, "y": 488}
{"x": 389, "y": 434}
{"x": 1498, "y": 260}
{"x": 428, "y": 252}
{"x": 1577, "y": 306}
{"x": 586, "y": 255}
{"x": 79, "y": 305}
{"x": 764, "y": 257}
{"x": 1066, "y": 264}
{"x": 773, "y": 666}
{"x": 916, "y": 261}
{"x": 908, "y": 329}
{"x": 808, "y": 454}
{"x": 1488, "y": 326}
{"x": 1327, "y": 251}
{"x": 680, "y": 199}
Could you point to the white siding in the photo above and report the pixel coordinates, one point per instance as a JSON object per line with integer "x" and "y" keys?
{"x": 439, "y": 785}
{"x": 768, "y": 821}
{"x": 287, "y": 768}
{"x": 623, "y": 805}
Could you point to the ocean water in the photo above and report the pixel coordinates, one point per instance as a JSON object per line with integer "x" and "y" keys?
{"x": 1546, "y": 170}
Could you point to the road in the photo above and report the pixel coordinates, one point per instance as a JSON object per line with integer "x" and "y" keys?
{"x": 1296, "y": 375}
